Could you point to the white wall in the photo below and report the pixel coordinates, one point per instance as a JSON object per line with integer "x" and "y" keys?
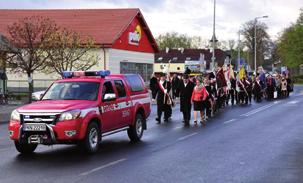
{"x": 116, "y": 56}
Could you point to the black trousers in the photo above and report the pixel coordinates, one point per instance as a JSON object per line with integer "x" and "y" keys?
{"x": 164, "y": 108}
{"x": 249, "y": 97}
{"x": 232, "y": 96}
{"x": 175, "y": 92}
{"x": 258, "y": 96}
{"x": 154, "y": 93}
{"x": 208, "y": 108}
{"x": 270, "y": 93}
{"x": 242, "y": 97}
{"x": 186, "y": 110}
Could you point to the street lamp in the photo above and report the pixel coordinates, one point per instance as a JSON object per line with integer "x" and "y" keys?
{"x": 256, "y": 19}
{"x": 239, "y": 57}
{"x": 214, "y": 37}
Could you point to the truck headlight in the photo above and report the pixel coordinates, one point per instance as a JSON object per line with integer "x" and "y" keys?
{"x": 15, "y": 116}
{"x": 70, "y": 115}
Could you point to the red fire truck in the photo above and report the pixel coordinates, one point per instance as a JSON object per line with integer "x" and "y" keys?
{"x": 82, "y": 108}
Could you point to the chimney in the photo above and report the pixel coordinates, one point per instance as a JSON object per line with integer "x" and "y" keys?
{"x": 202, "y": 57}
{"x": 182, "y": 50}
{"x": 167, "y": 49}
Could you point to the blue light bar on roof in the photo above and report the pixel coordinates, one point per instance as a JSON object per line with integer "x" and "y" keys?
{"x": 71, "y": 74}
{"x": 104, "y": 73}
{"x": 67, "y": 74}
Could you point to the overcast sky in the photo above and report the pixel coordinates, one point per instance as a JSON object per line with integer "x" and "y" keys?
{"x": 192, "y": 17}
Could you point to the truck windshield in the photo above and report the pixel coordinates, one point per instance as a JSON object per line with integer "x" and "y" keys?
{"x": 73, "y": 91}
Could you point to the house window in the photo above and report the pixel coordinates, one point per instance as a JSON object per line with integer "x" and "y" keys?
{"x": 145, "y": 70}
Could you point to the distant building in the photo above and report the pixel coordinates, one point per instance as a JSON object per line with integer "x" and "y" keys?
{"x": 198, "y": 60}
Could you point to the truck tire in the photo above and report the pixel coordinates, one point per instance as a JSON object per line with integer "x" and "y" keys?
{"x": 92, "y": 138}
{"x": 25, "y": 148}
{"x": 135, "y": 132}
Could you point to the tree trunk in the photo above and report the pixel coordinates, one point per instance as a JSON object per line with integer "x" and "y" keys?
{"x": 30, "y": 87}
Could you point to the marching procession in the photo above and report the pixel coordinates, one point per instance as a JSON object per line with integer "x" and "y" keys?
{"x": 210, "y": 92}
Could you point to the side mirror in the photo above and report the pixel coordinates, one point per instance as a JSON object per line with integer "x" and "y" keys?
{"x": 41, "y": 95}
{"x": 109, "y": 97}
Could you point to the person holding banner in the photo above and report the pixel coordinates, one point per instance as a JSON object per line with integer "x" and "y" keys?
{"x": 164, "y": 100}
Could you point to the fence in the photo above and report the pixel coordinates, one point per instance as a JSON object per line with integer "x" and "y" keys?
{"x": 21, "y": 86}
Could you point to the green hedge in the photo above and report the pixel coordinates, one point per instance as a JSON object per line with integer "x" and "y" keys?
{"x": 17, "y": 96}
{"x": 298, "y": 79}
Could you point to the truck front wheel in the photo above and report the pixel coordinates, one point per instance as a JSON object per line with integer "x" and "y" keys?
{"x": 135, "y": 132}
{"x": 25, "y": 148}
{"x": 92, "y": 138}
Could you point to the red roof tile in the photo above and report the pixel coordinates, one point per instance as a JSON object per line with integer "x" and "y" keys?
{"x": 104, "y": 25}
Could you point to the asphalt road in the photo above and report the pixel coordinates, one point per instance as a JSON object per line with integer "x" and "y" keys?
{"x": 255, "y": 143}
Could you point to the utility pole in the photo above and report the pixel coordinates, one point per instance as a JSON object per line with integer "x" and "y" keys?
{"x": 239, "y": 56}
{"x": 214, "y": 37}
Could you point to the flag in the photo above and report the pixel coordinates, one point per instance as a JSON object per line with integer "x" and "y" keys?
{"x": 242, "y": 73}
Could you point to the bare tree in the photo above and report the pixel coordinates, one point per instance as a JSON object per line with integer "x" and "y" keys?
{"x": 231, "y": 44}
{"x": 68, "y": 50}
{"x": 262, "y": 40}
{"x": 27, "y": 40}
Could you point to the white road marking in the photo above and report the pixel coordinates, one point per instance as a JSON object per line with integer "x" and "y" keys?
{"x": 5, "y": 149}
{"x": 178, "y": 127}
{"x": 254, "y": 112}
{"x": 259, "y": 109}
{"x": 229, "y": 121}
{"x": 4, "y": 138}
{"x": 293, "y": 102}
{"x": 187, "y": 136}
{"x": 102, "y": 167}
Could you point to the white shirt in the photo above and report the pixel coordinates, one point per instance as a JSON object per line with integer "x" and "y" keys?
{"x": 161, "y": 82}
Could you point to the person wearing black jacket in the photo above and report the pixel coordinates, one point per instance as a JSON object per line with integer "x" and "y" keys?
{"x": 186, "y": 88}
{"x": 152, "y": 85}
{"x": 257, "y": 89}
{"x": 164, "y": 101}
{"x": 233, "y": 91}
{"x": 175, "y": 84}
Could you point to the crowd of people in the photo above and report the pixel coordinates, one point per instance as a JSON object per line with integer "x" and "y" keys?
{"x": 210, "y": 92}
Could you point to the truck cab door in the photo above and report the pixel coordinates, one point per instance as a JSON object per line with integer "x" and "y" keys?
{"x": 123, "y": 104}
{"x": 108, "y": 107}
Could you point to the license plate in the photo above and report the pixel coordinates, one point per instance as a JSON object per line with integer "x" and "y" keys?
{"x": 34, "y": 127}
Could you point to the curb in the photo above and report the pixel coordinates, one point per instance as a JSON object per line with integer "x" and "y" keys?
{"x": 5, "y": 112}
{"x": 4, "y": 118}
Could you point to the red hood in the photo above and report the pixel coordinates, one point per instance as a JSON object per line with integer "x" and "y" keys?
{"x": 59, "y": 105}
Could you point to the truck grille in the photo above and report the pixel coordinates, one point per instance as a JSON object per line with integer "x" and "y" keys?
{"x": 48, "y": 118}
